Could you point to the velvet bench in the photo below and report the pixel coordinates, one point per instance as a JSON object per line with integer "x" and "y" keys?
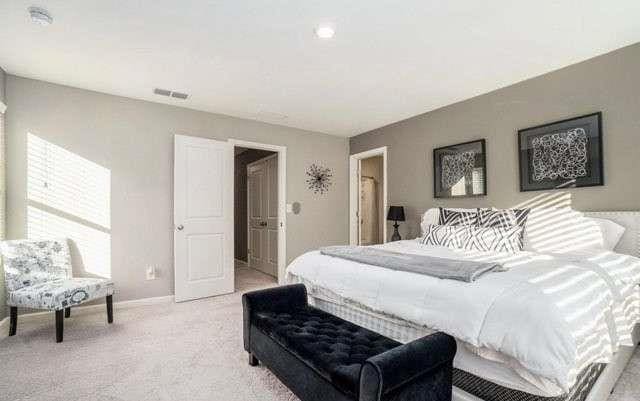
{"x": 321, "y": 357}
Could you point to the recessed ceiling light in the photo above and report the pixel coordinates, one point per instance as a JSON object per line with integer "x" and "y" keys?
{"x": 325, "y": 31}
{"x": 40, "y": 16}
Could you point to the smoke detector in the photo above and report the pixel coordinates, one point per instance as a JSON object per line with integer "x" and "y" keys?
{"x": 40, "y": 16}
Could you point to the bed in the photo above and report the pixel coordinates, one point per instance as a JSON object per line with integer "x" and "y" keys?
{"x": 553, "y": 327}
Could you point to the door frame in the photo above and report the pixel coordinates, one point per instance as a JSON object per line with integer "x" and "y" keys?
{"x": 249, "y": 211}
{"x": 354, "y": 185}
{"x": 282, "y": 197}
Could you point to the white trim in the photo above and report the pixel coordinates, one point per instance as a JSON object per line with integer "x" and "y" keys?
{"x": 240, "y": 262}
{"x": 354, "y": 161}
{"x": 84, "y": 309}
{"x": 282, "y": 198}
{"x": 3, "y": 107}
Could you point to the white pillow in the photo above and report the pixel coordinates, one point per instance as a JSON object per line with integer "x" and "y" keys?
{"x": 611, "y": 232}
{"x": 561, "y": 230}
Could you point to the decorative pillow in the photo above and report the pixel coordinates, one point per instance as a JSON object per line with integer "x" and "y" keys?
{"x": 496, "y": 239}
{"x": 432, "y": 216}
{"x": 449, "y": 236}
{"x": 504, "y": 218}
{"x": 450, "y": 217}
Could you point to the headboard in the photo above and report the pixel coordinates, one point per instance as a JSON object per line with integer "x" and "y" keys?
{"x": 630, "y": 242}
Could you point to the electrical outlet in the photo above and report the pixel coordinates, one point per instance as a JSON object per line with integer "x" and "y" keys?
{"x": 151, "y": 273}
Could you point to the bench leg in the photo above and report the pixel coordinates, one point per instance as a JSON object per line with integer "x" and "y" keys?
{"x": 13, "y": 320}
{"x": 67, "y": 312}
{"x": 109, "y": 309}
{"x": 253, "y": 361}
{"x": 59, "y": 325}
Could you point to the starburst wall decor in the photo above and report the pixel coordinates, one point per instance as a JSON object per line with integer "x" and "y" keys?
{"x": 319, "y": 179}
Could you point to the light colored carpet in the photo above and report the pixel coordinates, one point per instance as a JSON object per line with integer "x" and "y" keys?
{"x": 184, "y": 352}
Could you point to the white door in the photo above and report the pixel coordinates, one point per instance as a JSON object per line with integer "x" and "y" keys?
{"x": 203, "y": 218}
{"x": 262, "y": 192}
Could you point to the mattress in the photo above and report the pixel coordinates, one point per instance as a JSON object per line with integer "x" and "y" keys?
{"x": 490, "y": 381}
{"x": 404, "y": 331}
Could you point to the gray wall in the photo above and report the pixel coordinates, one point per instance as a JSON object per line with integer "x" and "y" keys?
{"x": 134, "y": 140}
{"x": 609, "y": 83}
{"x": 240, "y": 198}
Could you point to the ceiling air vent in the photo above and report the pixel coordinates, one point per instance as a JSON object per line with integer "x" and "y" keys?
{"x": 162, "y": 92}
{"x": 179, "y": 95}
{"x": 168, "y": 93}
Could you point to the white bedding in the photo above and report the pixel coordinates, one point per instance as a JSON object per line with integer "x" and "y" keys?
{"x": 549, "y": 316}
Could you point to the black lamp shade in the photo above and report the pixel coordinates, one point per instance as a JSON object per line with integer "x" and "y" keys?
{"x": 396, "y": 213}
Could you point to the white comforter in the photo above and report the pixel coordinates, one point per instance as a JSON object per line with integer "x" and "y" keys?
{"x": 551, "y": 315}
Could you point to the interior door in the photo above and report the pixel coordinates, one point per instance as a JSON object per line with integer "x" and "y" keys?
{"x": 257, "y": 215}
{"x": 262, "y": 192}
{"x": 203, "y": 218}
{"x": 272, "y": 215}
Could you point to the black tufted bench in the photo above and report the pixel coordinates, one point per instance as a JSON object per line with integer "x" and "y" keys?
{"x": 321, "y": 357}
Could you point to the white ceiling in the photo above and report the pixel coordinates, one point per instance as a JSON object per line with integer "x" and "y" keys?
{"x": 261, "y": 60}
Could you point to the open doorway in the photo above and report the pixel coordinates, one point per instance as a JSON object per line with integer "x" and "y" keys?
{"x": 256, "y": 211}
{"x": 259, "y": 207}
{"x": 368, "y": 197}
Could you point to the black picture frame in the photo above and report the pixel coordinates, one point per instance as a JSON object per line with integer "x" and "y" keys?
{"x": 450, "y": 187}
{"x": 578, "y": 160}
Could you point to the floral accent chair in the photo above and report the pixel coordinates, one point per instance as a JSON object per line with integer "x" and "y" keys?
{"x": 38, "y": 275}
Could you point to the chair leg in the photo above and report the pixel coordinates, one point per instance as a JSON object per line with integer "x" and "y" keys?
{"x": 109, "y": 309}
{"x": 67, "y": 312}
{"x": 59, "y": 325}
{"x": 253, "y": 361}
{"x": 13, "y": 320}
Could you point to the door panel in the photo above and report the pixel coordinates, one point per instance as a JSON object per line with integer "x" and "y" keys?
{"x": 203, "y": 217}
{"x": 272, "y": 188}
{"x": 205, "y": 256}
{"x": 255, "y": 248}
{"x": 262, "y": 191}
{"x": 204, "y": 175}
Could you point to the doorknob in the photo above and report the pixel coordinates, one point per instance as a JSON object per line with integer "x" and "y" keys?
{"x": 180, "y": 227}
{"x": 263, "y": 223}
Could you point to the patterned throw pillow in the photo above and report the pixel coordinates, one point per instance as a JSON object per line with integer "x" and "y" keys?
{"x": 449, "y": 217}
{"x": 496, "y": 239}
{"x": 449, "y": 236}
{"x": 504, "y": 218}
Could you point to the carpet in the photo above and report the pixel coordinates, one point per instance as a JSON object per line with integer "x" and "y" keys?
{"x": 190, "y": 351}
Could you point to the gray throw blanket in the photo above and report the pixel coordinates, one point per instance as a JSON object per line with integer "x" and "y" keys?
{"x": 462, "y": 270}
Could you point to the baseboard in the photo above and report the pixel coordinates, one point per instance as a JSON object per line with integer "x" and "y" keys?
{"x": 84, "y": 309}
{"x": 241, "y": 262}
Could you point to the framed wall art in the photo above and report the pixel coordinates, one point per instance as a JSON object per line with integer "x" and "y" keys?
{"x": 562, "y": 154}
{"x": 460, "y": 170}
